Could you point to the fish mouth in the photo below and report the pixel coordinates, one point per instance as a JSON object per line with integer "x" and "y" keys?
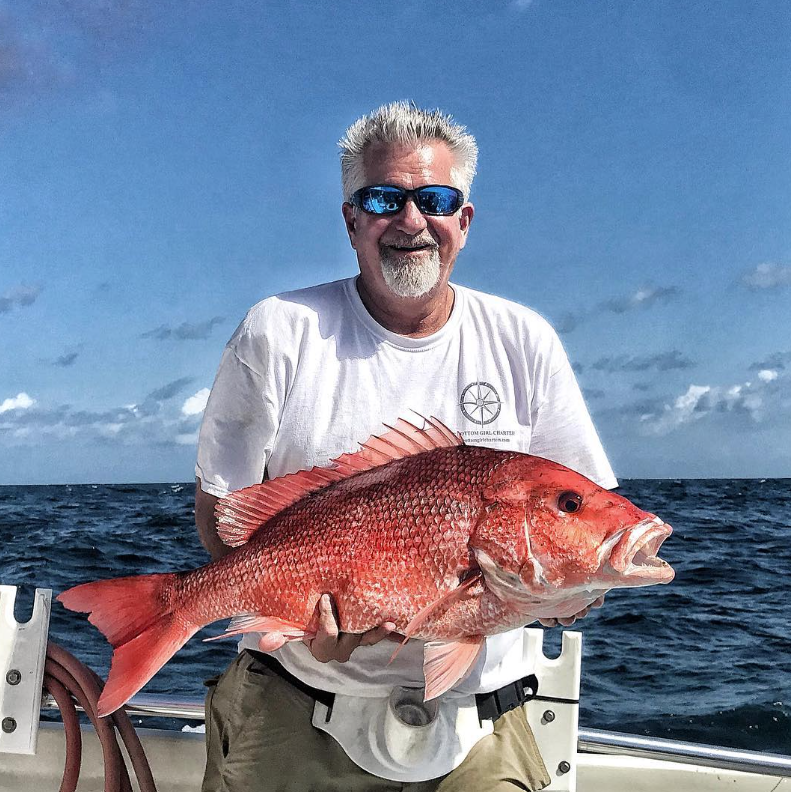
{"x": 634, "y": 554}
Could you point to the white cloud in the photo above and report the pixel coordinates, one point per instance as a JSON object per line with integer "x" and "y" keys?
{"x": 196, "y": 404}
{"x": 755, "y": 400}
{"x": 19, "y": 402}
{"x": 110, "y": 429}
{"x": 521, "y": 5}
{"x": 644, "y": 297}
{"x": 768, "y": 276}
{"x": 687, "y": 407}
{"x": 128, "y": 426}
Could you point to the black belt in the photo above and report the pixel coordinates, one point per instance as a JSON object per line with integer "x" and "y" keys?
{"x": 490, "y": 705}
{"x": 323, "y": 696}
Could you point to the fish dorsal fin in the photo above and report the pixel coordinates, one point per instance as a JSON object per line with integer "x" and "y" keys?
{"x": 242, "y": 513}
{"x": 401, "y": 440}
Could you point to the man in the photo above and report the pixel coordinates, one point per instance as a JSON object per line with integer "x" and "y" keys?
{"x": 311, "y": 373}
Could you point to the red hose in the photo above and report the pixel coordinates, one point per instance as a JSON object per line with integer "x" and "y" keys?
{"x": 70, "y": 678}
{"x": 104, "y": 731}
{"x": 134, "y": 747}
{"x": 71, "y": 725}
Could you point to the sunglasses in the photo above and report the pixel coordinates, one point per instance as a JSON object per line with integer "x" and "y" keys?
{"x": 386, "y": 199}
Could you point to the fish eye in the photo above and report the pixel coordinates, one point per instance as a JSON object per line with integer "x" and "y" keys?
{"x": 569, "y": 502}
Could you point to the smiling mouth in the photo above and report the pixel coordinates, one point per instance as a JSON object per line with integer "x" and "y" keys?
{"x": 411, "y": 249}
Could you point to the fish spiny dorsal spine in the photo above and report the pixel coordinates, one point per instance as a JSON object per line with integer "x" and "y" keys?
{"x": 242, "y": 513}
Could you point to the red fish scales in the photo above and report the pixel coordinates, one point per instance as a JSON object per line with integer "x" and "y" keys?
{"x": 385, "y": 543}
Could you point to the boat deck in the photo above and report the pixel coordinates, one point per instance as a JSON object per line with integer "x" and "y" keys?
{"x": 177, "y": 760}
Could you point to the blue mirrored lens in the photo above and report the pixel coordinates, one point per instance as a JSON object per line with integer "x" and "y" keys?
{"x": 383, "y": 200}
{"x": 437, "y": 200}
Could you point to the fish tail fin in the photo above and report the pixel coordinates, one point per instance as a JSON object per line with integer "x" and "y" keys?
{"x": 140, "y": 618}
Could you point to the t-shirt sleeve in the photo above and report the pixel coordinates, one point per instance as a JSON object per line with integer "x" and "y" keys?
{"x": 562, "y": 427}
{"x": 238, "y": 428}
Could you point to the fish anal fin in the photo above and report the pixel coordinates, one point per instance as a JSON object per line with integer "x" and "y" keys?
{"x": 447, "y": 662}
{"x": 254, "y": 622}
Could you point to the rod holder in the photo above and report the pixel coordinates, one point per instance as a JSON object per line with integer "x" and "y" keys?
{"x": 23, "y": 651}
{"x": 553, "y": 714}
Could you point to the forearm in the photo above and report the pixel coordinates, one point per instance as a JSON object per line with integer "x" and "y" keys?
{"x": 206, "y": 523}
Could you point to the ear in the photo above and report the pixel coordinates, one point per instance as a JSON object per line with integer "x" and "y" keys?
{"x": 350, "y": 220}
{"x": 465, "y": 219}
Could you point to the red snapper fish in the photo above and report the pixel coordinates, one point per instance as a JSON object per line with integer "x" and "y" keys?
{"x": 450, "y": 542}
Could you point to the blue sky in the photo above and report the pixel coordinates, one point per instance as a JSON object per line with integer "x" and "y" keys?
{"x": 162, "y": 169}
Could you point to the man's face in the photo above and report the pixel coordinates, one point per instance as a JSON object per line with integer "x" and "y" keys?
{"x": 407, "y": 255}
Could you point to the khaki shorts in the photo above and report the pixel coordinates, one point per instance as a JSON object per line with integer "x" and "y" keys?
{"x": 260, "y": 738}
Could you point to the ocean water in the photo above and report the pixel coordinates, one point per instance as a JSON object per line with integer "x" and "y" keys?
{"x": 707, "y": 658}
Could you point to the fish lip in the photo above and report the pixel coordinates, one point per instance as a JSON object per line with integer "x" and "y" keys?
{"x": 636, "y": 560}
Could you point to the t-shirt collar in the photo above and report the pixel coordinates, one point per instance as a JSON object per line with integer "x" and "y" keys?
{"x": 405, "y": 342}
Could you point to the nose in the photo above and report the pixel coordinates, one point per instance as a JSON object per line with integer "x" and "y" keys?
{"x": 410, "y": 220}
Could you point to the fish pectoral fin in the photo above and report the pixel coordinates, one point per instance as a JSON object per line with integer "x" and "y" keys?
{"x": 255, "y": 622}
{"x": 445, "y": 663}
{"x": 445, "y": 601}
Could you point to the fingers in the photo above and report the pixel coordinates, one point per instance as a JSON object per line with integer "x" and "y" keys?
{"x": 569, "y": 620}
{"x": 566, "y": 622}
{"x": 325, "y": 643}
{"x": 330, "y": 643}
{"x": 346, "y": 644}
{"x": 377, "y": 634}
{"x": 328, "y": 621}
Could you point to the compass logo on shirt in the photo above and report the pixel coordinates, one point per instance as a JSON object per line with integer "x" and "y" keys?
{"x": 480, "y": 403}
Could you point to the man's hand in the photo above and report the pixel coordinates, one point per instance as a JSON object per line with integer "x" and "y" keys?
{"x": 331, "y": 644}
{"x": 567, "y": 622}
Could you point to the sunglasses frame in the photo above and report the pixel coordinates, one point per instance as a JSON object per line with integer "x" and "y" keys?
{"x": 356, "y": 199}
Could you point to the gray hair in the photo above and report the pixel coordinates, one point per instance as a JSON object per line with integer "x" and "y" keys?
{"x": 406, "y": 124}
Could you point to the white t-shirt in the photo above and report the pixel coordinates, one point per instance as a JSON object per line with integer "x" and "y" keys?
{"x": 309, "y": 374}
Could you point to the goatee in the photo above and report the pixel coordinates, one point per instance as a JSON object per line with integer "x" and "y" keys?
{"x": 409, "y": 275}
